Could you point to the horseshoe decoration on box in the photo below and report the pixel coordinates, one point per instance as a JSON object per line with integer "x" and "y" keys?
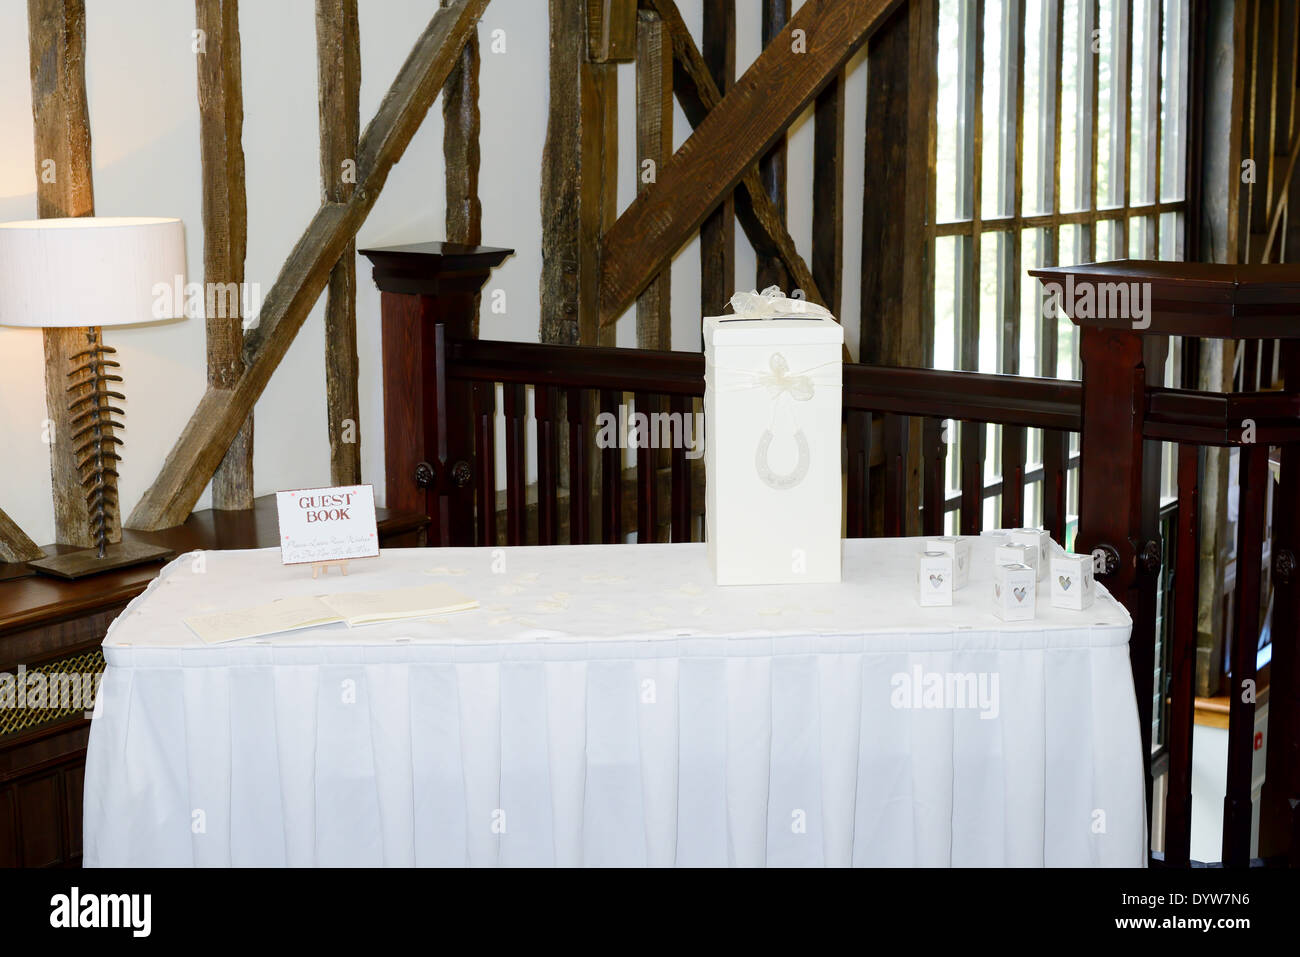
{"x": 778, "y": 381}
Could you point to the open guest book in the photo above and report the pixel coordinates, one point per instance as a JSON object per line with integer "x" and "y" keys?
{"x": 352, "y": 608}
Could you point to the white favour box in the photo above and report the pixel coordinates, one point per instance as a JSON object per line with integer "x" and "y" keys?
{"x": 959, "y": 549}
{"x": 1017, "y": 554}
{"x": 1041, "y": 540}
{"x": 1014, "y": 592}
{"x": 934, "y": 579}
{"x": 772, "y": 449}
{"x": 1070, "y": 583}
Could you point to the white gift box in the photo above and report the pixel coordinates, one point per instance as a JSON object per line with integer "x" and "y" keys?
{"x": 959, "y": 549}
{"x": 1040, "y": 539}
{"x": 1013, "y": 553}
{"x": 1070, "y": 583}
{"x": 934, "y": 578}
{"x": 772, "y": 448}
{"x": 1014, "y": 592}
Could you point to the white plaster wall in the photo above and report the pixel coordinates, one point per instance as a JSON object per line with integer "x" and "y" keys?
{"x": 140, "y": 76}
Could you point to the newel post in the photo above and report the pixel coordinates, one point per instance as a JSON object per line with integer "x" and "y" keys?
{"x": 1125, "y": 415}
{"x": 428, "y": 295}
{"x": 1119, "y": 473}
{"x": 1119, "y": 488}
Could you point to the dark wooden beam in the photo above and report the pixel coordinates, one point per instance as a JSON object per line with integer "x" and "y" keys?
{"x": 917, "y": 345}
{"x": 338, "y": 64}
{"x": 577, "y": 195}
{"x": 220, "y": 414}
{"x": 57, "y": 44}
{"x": 698, "y": 94}
{"x": 718, "y": 231}
{"x": 770, "y": 270}
{"x": 225, "y": 225}
{"x": 828, "y": 194}
{"x": 884, "y": 203}
{"x": 611, "y": 30}
{"x": 654, "y": 147}
{"x": 460, "y": 149}
{"x": 730, "y": 139}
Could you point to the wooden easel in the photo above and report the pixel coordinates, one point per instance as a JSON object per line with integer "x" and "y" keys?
{"x": 318, "y": 568}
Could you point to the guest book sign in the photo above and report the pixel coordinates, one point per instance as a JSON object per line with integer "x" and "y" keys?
{"x": 327, "y": 524}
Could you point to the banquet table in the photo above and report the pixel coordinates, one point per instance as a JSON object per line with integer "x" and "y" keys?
{"x": 607, "y": 705}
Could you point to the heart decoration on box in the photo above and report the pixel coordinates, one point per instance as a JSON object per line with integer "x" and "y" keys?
{"x": 1019, "y": 593}
{"x": 1065, "y": 582}
{"x": 936, "y": 580}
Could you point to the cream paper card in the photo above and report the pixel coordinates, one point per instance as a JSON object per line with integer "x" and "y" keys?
{"x": 353, "y": 608}
{"x": 287, "y": 614}
{"x": 327, "y": 524}
{"x": 422, "y": 601}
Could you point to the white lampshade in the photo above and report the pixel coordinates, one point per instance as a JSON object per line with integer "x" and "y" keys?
{"x": 91, "y": 271}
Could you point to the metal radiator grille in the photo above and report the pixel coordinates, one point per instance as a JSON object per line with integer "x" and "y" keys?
{"x": 60, "y": 699}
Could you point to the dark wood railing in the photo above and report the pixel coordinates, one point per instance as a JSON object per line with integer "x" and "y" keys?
{"x": 587, "y": 381}
{"x": 441, "y": 413}
{"x": 1125, "y": 416}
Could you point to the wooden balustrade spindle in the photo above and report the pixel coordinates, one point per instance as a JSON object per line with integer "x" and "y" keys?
{"x": 683, "y": 406}
{"x": 934, "y": 482}
{"x": 1279, "y": 805}
{"x": 579, "y": 468}
{"x": 1013, "y": 476}
{"x": 972, "y": 477}
{"x": 516, "y": 413}
{"x": 485, "y": 472}
{"x": 858, "y": 477}
{"x": 1056, "y": 459}
{"x": 896, "y": 431}
{"x": 1182, "y": 660}
{"x": 611, "y": 475}
{"x": 545, "y": 408}
{"x": 1237, "y": 804}
{"x": 647, "y": 510}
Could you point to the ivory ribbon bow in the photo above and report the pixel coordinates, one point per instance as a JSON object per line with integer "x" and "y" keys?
{"x": 771, "y": 303}
{"x": 780, "y": 380}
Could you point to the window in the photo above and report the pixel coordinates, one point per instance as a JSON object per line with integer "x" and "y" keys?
{"x": 1060, "y": 138}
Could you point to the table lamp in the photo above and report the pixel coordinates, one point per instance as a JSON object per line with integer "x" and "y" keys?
{"x": 89, "y": 272}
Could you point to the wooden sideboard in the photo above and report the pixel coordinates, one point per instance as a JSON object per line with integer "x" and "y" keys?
{"x": 56, "y": 626}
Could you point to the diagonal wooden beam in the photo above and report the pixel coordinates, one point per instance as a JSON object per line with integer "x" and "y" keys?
{"x": 698, "y": 94}
{"x": 15, "y": 546}
{"x": 783, "y": 80}
{"x": 219, "y": 414}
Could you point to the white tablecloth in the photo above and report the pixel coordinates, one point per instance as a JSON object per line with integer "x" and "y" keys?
{"x": 608, "y": 705}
